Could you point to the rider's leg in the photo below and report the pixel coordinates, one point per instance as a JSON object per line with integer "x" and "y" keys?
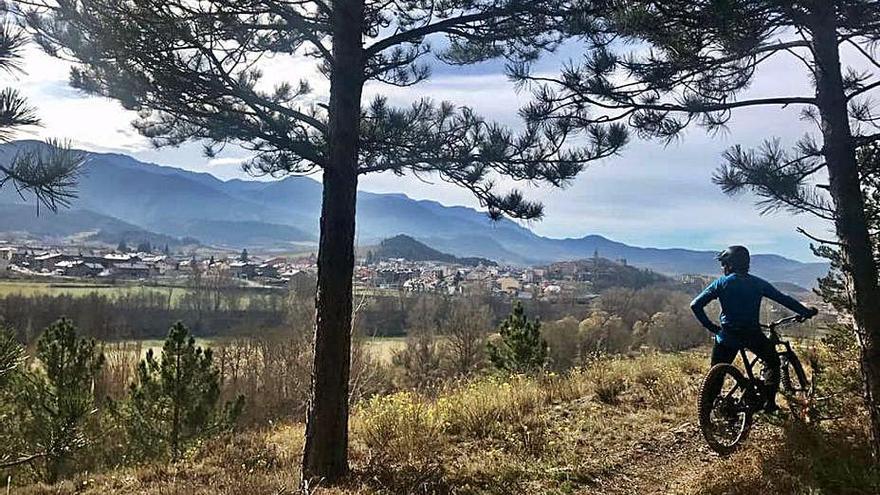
{"x": 766, "y": 351}
{"x": 723, "y": 353}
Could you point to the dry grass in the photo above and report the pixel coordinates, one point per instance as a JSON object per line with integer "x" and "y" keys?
{"x": 555, "y": 434}
{"x": 252, "y": 462}
{"x": 799, "y": 460}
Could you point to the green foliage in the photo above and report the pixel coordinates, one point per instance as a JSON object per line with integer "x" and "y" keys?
{"x": 836, "y": 376}
{"x": 521, "y": 348}
{"x": 55, "y": 398}
{"x": 10, "y": 355}
{"x": 833, "y": 287}
{"x": 174, "y": 401}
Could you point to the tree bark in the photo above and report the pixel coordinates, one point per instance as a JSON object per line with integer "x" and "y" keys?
{"x": 326, "y": 442}
{"x": 850, "y": 220}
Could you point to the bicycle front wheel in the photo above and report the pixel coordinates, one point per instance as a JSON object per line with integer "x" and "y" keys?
{"x": 724, "y": 413}
{"x": 795, "y": 385}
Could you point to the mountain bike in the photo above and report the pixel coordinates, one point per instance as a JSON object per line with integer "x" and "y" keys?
{"x": 728, "y": 399}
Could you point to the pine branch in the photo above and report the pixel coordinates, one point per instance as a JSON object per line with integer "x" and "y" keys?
{"x": 6, "y": 463}
{"x": 802, "y": 231}
{"x": 50, "y": 174}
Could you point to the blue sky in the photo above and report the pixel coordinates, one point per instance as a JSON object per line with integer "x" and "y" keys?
{"x": 650, "y": 195}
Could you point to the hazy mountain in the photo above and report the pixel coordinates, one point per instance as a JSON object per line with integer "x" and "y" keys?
{"x": 285, "y": 213}
{"x": 404, "y": 246}
{"x": 22, "y": 221}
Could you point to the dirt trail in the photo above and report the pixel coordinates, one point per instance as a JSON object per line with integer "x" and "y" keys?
{"x": 663, "y": 465}
{"x": 671, "y": 463}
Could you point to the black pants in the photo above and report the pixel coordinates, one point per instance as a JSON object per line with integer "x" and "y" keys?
{"x": 755, "y": 341}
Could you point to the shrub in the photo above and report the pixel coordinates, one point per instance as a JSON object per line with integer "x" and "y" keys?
{"x": 603, "y": 333}
{"x": 663, "y": 385}
{"x": 672, "y": 330}
{"x": 272, "y": 370}
{"x": 402, "y": 428}
{"x": 422, "y": 357}
{"x": 479, "y": 407}
{"x": 563, "y": 342}
{"x": 836, "y": 378}
{"x": 521, "y": 349}
{"x": 54, "y": 400}
{"x": 175, "y": 399}
{"x": 607, "y": 380}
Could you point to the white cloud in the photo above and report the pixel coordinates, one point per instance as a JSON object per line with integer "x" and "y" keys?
{"x": 651, "y": 195}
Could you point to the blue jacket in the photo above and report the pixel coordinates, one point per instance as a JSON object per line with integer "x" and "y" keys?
{"x": 740, "y": 296}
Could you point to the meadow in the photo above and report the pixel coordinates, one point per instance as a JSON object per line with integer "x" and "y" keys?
{"x": 34, "y": 288}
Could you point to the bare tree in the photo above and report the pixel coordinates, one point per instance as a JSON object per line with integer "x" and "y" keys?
{"x": 466, "y": 330}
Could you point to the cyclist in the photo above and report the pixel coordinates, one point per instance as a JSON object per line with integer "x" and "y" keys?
{"x": 740, "y": 295}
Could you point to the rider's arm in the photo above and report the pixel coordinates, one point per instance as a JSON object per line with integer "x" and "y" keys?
{"x": 698, "y": 306}
{"x": 789, "y": 302}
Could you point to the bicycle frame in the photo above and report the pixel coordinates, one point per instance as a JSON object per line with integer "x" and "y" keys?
{"x": 749, "y": 364}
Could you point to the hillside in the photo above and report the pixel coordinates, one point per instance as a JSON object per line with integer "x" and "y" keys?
{"x": 568, "y": 433}
{"x": 22, "y": 221}
{"x": 404, "y": 246}
{"x": 285, "y": 214}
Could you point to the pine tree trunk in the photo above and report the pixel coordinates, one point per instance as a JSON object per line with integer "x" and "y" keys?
{"x": 849, "y": 219}
{"x": 326, "y": 444}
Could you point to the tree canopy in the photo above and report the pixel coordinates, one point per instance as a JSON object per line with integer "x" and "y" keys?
{"x": 662, "y": 66}
{"x": 194, "y": 71}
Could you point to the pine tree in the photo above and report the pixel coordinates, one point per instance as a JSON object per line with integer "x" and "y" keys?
{"x": 56, "y": 398}
{"x": 48, "y": 172}
{"x": 175, "y": 399}
{"x": 833, "y": 288}
{"x": 244, "y": 256}
{"x": 521, "y": 348}
{"x": 192, "y": 72}
{"x": 122, "y": 247}
{"x": 691, "y": 62}
{"x": 10, "y": 355}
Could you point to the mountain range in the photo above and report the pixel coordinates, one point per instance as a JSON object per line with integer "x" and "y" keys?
{"x": 117, "y": 193}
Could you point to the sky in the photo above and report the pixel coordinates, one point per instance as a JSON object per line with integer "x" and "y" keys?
{"x": 651, "y": 195}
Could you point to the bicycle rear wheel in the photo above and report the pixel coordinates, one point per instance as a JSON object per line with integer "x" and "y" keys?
{"x": 724, "y": 412}
{"x": 795, "y": 385}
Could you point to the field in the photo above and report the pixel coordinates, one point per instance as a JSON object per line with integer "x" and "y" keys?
{"x": 380, "y": 348}
{"x": 32, "y": 288}
{"x": 619, "y": 426}
{"x": 384, "y": 348}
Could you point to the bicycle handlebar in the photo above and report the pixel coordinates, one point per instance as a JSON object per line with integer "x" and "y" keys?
{"x": 786, "y": 321}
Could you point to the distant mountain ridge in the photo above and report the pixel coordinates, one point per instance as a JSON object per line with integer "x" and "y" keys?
{"x": 284, "y": 215}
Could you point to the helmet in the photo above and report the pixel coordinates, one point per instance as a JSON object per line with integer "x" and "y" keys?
{"x": 735, "y": 258}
